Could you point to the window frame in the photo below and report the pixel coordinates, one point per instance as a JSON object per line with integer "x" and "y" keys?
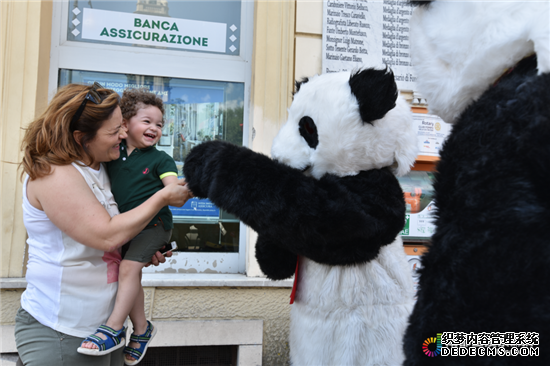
{"x": 125, "y": 59}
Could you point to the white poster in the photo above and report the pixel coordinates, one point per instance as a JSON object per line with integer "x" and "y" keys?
{"x": 368, "y": 33}
{"x": 421, "y": 224}
{"x": 431, "y": 132}
{"x": 113, "y": 26}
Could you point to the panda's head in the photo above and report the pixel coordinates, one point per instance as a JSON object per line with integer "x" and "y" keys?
{"x": 460, "y": 48}
{"x": 342, "y": 123}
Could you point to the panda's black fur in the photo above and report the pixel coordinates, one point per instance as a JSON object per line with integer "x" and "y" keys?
{"x": 487, "y": 270}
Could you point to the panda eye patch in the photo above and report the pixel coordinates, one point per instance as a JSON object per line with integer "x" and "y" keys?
{"x": 308, "y": 130}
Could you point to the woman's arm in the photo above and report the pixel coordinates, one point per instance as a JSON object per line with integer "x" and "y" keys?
{"x": 71, "y": 206}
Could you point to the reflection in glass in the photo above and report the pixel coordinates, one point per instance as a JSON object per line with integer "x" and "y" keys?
{"x": 202, "y": 114}
{"x": 195, "y": 111}
{"x": 418, "y": 190}
{"x": 216, "y": 237}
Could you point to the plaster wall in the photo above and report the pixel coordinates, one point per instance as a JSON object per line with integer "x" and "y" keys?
{"x": 25, "y": 42}
{"x": 9, "y": 303}
{"x": 309, "y": 31}
{"x": 271, "y": 305}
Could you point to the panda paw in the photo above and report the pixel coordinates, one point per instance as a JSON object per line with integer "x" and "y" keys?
{"x": 276, "y": 262}
{"x": 201, "y": 164}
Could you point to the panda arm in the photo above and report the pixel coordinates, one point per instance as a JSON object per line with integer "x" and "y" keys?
{"x": 361, "y": 214}
{"x": 333, "y": 220}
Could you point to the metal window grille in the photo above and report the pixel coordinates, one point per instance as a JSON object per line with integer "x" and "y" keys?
{"x": 191, "y": 356}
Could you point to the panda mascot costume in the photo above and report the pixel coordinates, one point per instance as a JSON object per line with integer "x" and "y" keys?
{"x": 483, "y": 66}
{"x": 327, "y": 205}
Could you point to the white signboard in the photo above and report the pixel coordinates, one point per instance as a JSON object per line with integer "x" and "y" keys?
{"x": 113, "y": 26}
{"x": 431, "y": 132}
{"x": 368, "y": 33}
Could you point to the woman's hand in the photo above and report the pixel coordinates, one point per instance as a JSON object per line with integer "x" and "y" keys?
{"x": 177, "y": 193}
{"x": 159, "y": 258}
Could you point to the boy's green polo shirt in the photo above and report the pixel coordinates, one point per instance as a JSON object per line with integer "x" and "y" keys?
{"x": 137, "y": 177}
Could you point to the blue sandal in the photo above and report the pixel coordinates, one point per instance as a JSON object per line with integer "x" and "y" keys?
{"x": 143, "y": 340}
{"x": 115, "y": 340}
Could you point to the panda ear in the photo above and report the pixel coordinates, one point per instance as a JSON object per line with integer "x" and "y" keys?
{"x": 420, "y": 3}
{"x": 299, "y": 83}
{"x": 376, "y": 92}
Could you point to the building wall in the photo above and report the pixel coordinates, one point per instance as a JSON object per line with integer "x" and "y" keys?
{"x": 270, "y": 305}
{"x": 9, "y": 304}
{"x": 179, "y": 305}
{"x": 25, "y": 62}
{"x": 309, "y": 31}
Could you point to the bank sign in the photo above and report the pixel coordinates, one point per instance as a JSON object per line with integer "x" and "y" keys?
{"x": 149, "y": 30}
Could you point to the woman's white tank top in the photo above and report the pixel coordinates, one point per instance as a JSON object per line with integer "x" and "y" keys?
{"x": 70, "y": 287}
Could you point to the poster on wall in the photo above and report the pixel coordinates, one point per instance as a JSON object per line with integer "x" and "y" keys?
{"x": 368, "y": 33}
{"x": 420, "y": 224}
{"x": 431, "y": 132}
{"x": 196, "y": 207}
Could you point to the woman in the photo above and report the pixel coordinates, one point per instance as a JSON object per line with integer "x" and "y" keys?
{"x": 74, "y": 226}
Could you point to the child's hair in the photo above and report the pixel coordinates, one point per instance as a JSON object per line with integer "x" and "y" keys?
{"x": 135, "y": 99}
{"x": 49, "y": 139}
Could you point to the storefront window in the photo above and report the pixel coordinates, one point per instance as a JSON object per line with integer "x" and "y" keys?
{"x": 198, "y": 26}
{"x": 195, "y": 111}
{"x": 196, "y": 56}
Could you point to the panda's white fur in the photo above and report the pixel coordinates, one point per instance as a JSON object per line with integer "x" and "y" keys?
{"x": 349, "y": 315}
{"x": 347, "y": 145}
{"x": 460, "y": 48}
{"x": 352, "y": 315}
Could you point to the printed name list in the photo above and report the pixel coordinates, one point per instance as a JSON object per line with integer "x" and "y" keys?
{"x": 368, "y": 33}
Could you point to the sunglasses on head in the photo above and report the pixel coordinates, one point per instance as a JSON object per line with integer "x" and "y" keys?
{"x": 92, "y": 96}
